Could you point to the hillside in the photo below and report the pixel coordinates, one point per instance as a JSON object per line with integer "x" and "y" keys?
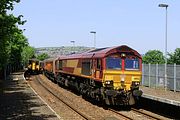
{"x": 63, "y": 50}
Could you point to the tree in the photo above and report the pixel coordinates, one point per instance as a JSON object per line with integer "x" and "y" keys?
{"x": 16, "y": 46}
{"x": 27, "y": 53}
{"x": 43, "y": 56}
{"x": 8, "y": 29}
{"x": 174, "y": 57}
{"x": 154, "y": 57}
{"x": 11, "y": 37}
{"x": 7, "y": 5}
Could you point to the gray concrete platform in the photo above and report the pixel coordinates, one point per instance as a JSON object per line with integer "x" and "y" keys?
{"x": 161, "y": 95}
{"x": 19, "y": 102}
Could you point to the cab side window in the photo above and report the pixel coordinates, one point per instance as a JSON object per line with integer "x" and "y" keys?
{"x": 60, "y": 65}
{"x": 98, "y": 64}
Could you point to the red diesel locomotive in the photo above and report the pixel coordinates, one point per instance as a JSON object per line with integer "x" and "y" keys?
{"x": 111, "y": 75}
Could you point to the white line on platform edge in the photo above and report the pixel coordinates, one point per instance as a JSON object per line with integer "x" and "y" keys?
{"x": 43, "y": 101}
{"x": 165, "y": 100}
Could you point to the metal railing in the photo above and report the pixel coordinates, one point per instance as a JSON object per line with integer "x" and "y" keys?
{"x": 153, "y": 76}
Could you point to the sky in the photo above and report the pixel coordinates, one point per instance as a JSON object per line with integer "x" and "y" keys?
{"x": 139, "y": 24}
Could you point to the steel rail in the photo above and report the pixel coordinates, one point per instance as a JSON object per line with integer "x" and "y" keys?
{"x": 114, "y": 111}
{"x": 71, "y": 107}
{"x": 146, "y": 114}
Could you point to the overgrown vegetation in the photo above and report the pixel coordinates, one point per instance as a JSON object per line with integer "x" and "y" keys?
{"x": 12, "y": 40}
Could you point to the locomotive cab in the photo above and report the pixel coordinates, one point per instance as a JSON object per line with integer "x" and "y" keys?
{"x": 122, "y": 77}
{"x": 111, "y": 74}
{"x": 33, "y": 66}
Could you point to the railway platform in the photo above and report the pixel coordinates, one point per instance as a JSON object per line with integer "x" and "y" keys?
{"x": 168, "y": 97}
{"x": 18, "y": 101}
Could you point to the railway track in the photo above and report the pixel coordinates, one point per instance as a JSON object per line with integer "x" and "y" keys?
{"x": 84, "y": 116}
{"x": 133, "y": 114}
{"x": 126, "y": 117}
{"x": 145, "y": 114}
{"x": 136, "y": 111}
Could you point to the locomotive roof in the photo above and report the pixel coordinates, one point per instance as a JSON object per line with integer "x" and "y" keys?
{"x": 50, "y": 59}
{"x": 102, "y": 52}
{"x": 33, "y": 59}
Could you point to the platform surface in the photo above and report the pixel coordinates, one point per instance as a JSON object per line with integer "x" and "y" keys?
{"x": 18, "y": 101}
{"x": 169, "y": 97}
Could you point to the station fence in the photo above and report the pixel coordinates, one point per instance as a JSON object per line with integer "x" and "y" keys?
{"x": 153, "y": 76}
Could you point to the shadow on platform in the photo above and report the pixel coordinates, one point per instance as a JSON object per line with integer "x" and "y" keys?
{"x": 19, "y": 103}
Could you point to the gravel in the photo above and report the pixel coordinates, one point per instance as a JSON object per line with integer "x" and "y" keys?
{"x": 87, "y": 107}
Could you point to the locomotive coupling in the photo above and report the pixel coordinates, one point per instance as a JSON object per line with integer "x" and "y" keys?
{"x": 111, "y": 93}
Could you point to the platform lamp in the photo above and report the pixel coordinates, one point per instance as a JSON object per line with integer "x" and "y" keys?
{"x": 165, "y": 6}
{"x": 94, "y": 38}
{"x": 73, "y": 43}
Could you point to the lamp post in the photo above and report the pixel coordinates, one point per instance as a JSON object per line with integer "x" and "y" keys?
{"x": 165, "y": 6}
{"x": 73, "y": 43}
{"x": 94, "y": 38}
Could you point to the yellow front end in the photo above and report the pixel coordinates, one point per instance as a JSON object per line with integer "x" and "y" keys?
{"x": 122, "y": 80}
{"x": 33, "y": 66}
{"x": 37, "y": 67}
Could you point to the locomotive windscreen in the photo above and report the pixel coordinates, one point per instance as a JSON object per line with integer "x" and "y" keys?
{"x": 113, "y": 63}
{"x": 131, "y": 63}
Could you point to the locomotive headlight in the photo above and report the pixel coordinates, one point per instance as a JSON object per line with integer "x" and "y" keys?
{"x": 108, "y": 82}
{"x": 122, "y": 79}
{"x": 136, "y": 83}
{"x": 123, "y": 55}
